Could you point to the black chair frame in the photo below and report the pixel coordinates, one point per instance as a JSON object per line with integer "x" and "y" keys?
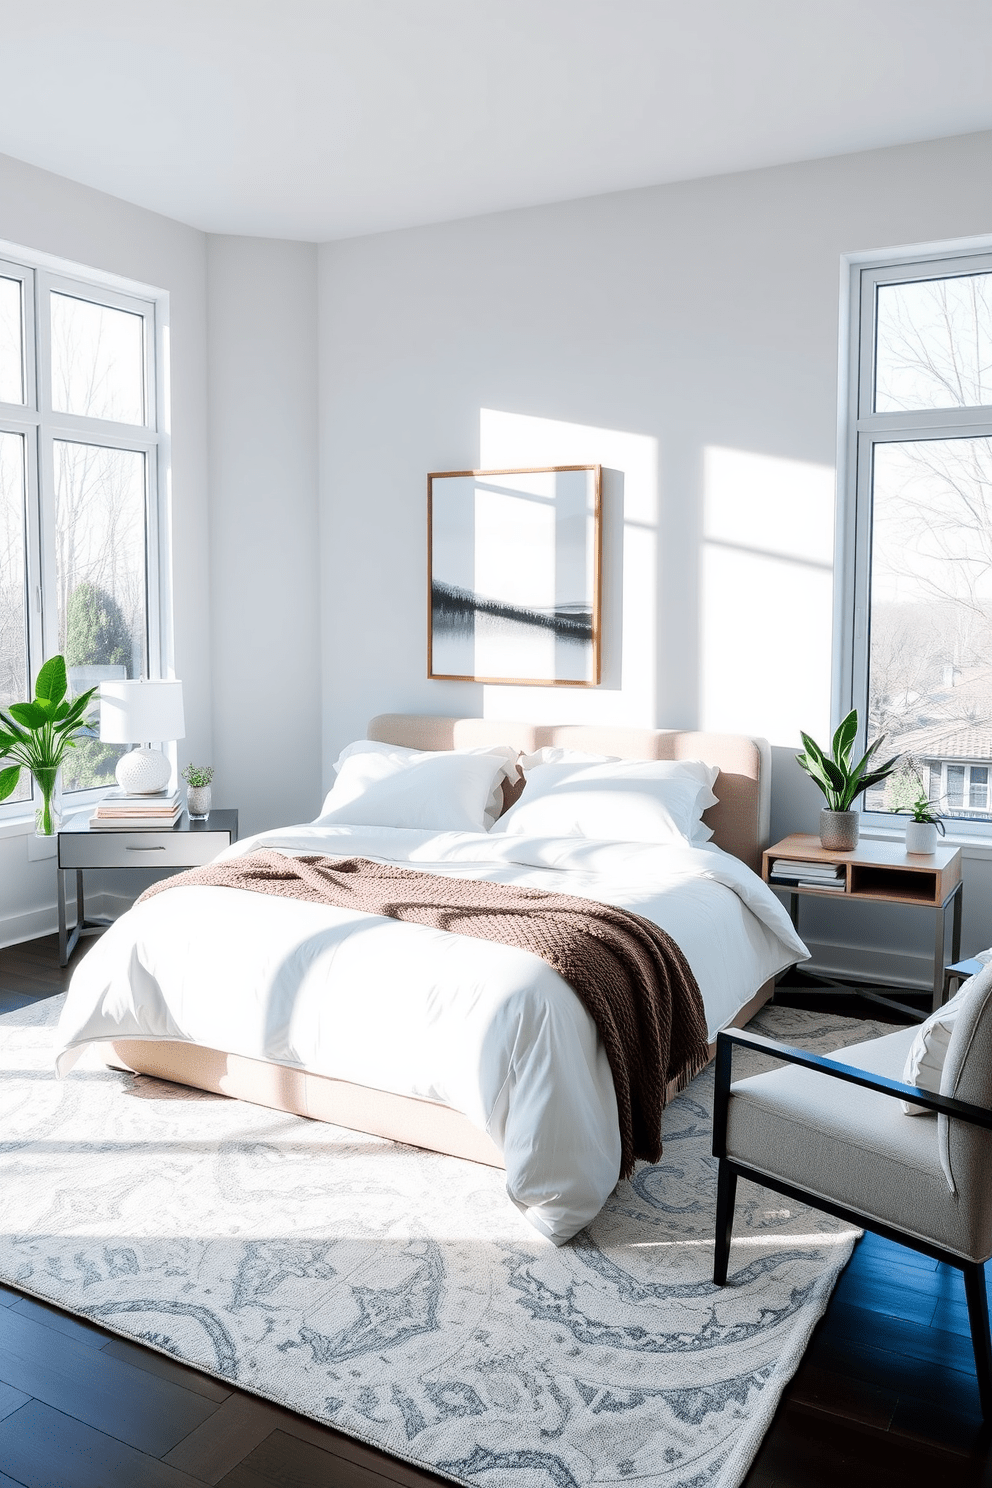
{"x": 730, "y": 1170}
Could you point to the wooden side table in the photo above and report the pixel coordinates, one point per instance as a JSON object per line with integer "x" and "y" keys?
{"x": 187, "y": 844}
{"x": 882, "y": 873}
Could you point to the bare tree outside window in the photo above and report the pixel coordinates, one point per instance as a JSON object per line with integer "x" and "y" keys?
{"x": 100, "y": 574}
{"x": 97, "y": 372}
{"x": 11, "y": 342}
{"x": 934, "y": 344}
{"x": 13, "y": 598}
{"x": 930, "y": 654}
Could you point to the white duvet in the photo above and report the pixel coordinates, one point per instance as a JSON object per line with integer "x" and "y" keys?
{"x": 488, "y": 1029}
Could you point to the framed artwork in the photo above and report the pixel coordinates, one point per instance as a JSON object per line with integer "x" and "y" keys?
{"x": 514, "y": 575}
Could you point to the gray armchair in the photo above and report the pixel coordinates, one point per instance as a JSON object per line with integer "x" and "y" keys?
{"x": 831, "y": 1132}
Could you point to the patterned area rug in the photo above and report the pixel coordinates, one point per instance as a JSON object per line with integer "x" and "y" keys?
{"x": 398, "y": 1295}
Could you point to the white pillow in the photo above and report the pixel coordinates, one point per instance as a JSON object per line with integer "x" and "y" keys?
{"x": 504, "y": 752}
{"x": 551, "y": 754}
{"x": 446, "y": 790}
{"x": 925, "y": 1060}
{"x": 620, "y": 801}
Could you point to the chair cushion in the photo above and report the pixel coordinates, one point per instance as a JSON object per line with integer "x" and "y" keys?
{"x": 966, "y": 1151}
{"x": 925, "y": 1060}
{"x": 854, "y": 1146}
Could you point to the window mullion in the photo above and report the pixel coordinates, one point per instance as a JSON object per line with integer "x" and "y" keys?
{"x": 942, "y": 423}
{"x": 102, "y": 433}
{"x": 860, "y": 626}
{"x": 34, "y": 574}
{"x": 48, "y": 540}
{"x": 153, "y": 568}
{"x": 864, "y": 394}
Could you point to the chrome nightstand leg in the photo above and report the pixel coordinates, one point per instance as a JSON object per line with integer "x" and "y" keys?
{"x": 938, "y": 956}
{"x": 63, "y": 946}
{"x": 940, "y": 982}
{"x": 68, "y": 940}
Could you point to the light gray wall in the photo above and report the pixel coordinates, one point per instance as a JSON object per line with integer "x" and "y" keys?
{"x": 52, "y": 215}
{"x": 243, "y": 351}
{"x": 687, "y": 336}
{"x": 264, "y": 547}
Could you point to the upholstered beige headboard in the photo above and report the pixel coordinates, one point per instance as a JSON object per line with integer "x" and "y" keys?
{"x": 740, "y": 820}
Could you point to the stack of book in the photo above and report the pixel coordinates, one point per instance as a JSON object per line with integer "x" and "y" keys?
{"x": 120, "y": 813}
{"x": 829, "y": 876}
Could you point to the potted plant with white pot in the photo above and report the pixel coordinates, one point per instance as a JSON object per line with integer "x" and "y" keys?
{"x": 842, "y": 781}
{"x": 921, "y": 831}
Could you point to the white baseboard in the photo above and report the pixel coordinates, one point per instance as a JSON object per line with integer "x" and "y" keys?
{"x": 32, "y": 923}
{"x": 28, "y": 926}
{"x": 873, "y": 964}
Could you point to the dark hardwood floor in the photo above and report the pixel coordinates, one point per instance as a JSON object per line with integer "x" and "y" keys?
{"x": 886, "y": 1394}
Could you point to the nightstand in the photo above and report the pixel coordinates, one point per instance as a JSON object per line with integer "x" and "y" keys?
{"x": 187, "y": 844}
{"x": 882, "y": 873}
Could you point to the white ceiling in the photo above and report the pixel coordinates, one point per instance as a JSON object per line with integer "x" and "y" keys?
{"x": 320, "y": 119}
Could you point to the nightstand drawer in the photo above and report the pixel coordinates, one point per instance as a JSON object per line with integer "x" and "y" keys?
{"x": 148, "y": 849}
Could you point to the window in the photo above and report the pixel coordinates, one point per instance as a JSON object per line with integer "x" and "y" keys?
{"x": 81, "y": 468}
{"x": 918, "y": 647}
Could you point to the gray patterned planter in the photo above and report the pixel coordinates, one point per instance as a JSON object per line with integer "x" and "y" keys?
{"x": 839, "y": 830}
{"x": 198, "y": 802}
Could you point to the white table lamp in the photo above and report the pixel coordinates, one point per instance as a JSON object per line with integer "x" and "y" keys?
{"x": 141, "y": 713}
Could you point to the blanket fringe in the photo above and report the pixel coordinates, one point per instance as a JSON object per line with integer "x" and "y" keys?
{"x": 690, "y": 1071}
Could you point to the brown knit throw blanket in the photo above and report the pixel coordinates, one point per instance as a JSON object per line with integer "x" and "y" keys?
{"x": 631, "y": 976}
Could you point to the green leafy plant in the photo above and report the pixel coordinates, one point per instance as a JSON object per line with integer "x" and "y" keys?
{"x": 198, "y": 775}
{"x": 923, "y": 810}
{"x": 37, "y": 735}
{"x": 839, "y": 778}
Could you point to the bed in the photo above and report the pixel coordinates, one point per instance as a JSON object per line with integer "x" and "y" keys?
{"x": 474, "y": 1050}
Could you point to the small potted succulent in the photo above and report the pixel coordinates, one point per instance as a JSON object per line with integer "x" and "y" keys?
{"x": 842, "y": 781}
{"x": 925, "y": 823}
{"x": 198, "y": 778}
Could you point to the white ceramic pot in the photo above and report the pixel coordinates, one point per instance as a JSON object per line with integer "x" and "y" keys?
{"x": 839, "y": 830}
{"x": 198, "y": 802}
{"x": 921, "y": 837}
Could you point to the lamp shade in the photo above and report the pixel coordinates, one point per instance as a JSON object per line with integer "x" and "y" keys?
{"x": 140, "y": 712}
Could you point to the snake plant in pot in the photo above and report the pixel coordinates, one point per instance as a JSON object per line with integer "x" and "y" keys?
{"x": 37, "y": 736}
{"x": 842, "y": 781}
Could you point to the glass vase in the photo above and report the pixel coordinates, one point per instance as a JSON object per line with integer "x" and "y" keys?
{"x": 48, "y": 817}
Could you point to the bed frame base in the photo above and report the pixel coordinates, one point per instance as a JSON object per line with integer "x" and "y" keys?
{"x": 740, "y": 826}
{"x": 399, "y": 1118}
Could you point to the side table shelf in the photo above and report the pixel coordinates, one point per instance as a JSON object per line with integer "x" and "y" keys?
{"x": 881, "y": 873}
{"x": 187, "y": 844}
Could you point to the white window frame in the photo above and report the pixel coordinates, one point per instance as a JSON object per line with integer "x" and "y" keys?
{"x": 41, "y": 425}
{"x": 860, "y": 430}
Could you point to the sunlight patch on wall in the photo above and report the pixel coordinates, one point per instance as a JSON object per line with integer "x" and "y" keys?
{"x": 766, "y": 595}
{"x": 627, "y": 694}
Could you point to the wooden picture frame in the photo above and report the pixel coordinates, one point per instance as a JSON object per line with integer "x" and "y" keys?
{"x": 514, "y": 575}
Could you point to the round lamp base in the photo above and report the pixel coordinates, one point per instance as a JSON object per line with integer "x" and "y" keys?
{"x": 143, "y": 772}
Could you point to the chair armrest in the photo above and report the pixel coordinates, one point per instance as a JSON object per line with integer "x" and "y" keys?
{"x": 945, "y": 1105}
